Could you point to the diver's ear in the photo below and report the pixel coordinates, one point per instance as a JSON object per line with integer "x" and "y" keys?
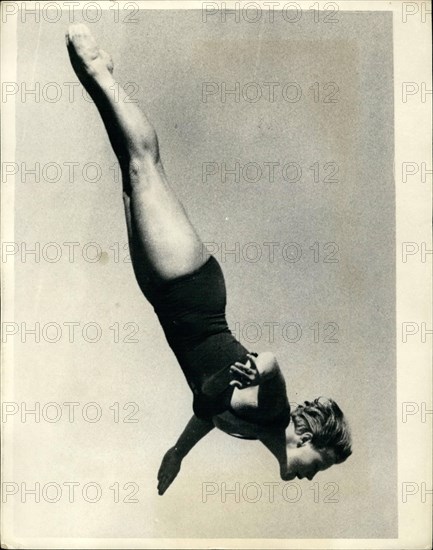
{"x": 304, "y": 438}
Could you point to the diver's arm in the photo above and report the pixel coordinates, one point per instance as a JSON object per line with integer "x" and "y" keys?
{"x": 194, "y": 431}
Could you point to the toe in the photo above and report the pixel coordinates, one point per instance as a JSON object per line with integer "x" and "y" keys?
{"x": 76, "y": 29}
{"x": 80, "y": 35}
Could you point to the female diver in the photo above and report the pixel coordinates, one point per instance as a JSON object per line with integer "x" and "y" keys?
{"x": 241, "y": 393}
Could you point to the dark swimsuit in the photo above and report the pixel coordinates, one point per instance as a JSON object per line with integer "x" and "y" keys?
{"x": 191, "y": 310}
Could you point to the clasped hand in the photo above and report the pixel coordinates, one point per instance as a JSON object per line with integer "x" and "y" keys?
{"x": 245, "y": 375}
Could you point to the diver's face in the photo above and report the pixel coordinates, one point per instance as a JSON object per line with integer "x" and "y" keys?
{"x": 303, "y": 460}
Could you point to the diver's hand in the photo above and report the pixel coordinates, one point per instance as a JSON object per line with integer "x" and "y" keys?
{"x": 168, "y": 470}
{"x": 245, "y": 376}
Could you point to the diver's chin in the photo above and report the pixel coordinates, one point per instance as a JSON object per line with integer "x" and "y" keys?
{"x": 288, "y": 476}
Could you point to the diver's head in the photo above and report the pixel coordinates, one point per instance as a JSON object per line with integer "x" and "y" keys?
{"x": 317, "y": 438}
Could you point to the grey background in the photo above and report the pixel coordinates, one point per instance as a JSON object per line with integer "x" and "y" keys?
{"x": 169, "y": 54}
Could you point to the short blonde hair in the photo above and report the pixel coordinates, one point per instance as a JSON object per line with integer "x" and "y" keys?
{"x": 325, "y": 420}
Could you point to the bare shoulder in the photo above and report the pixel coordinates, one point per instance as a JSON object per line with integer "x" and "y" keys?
{"x": 267, "y": 364}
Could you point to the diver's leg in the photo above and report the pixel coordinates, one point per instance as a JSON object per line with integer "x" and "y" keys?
{"x": 164, "y": 244}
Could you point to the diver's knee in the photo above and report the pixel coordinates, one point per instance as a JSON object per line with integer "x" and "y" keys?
{"x": 142, "y": 172}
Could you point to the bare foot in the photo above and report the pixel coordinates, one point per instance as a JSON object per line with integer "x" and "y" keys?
{"x": 168, "y": 470}
{"x": 91, "y": 64}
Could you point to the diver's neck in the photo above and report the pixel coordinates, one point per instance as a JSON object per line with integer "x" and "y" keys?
{"x": 275, "y": 441}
